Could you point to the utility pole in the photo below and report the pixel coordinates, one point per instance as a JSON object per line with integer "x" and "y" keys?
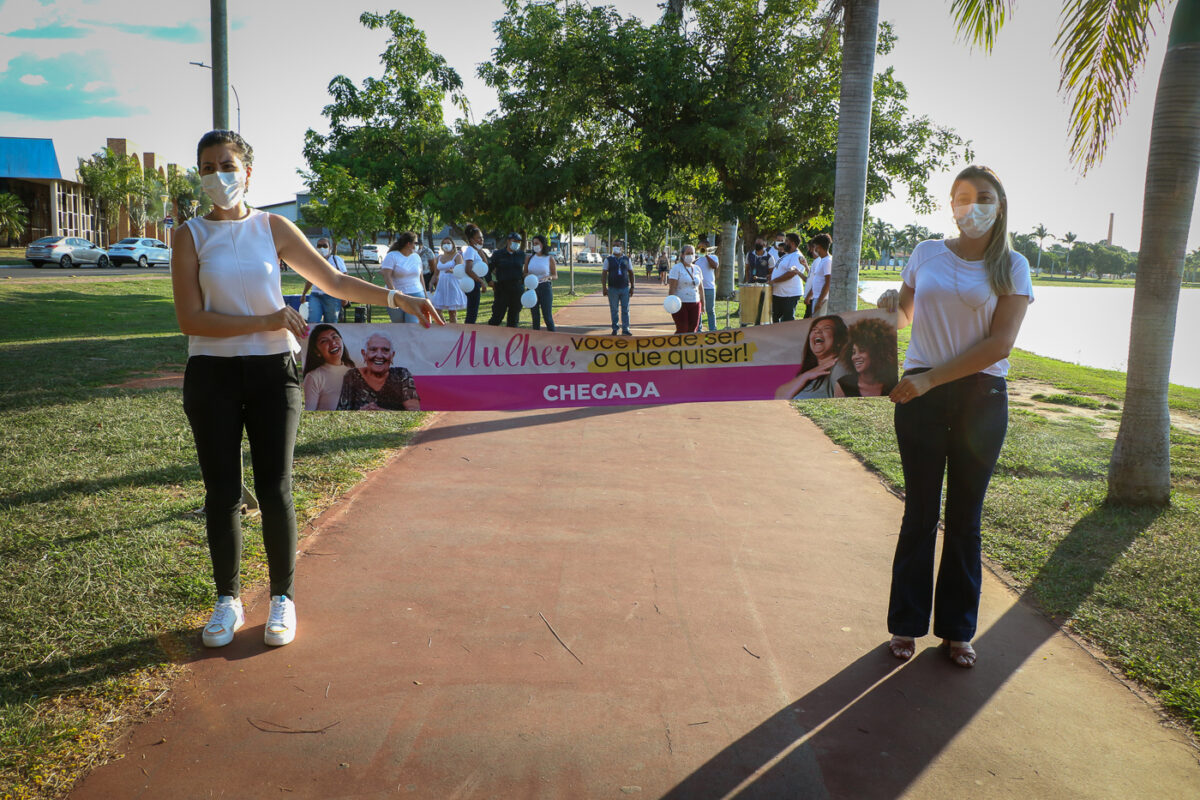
{"x": 220, "y": 60}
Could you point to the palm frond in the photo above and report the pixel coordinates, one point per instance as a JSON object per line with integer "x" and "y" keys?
{"x": 1102, "y": 46}
{"x": 978, "y": 21}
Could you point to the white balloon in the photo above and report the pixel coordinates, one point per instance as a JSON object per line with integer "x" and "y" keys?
{"x": 672, "y": 304}
{"x": 529, "y": 299}
{"x": 304, "y": 311}
{"x": 460, "y": 270}
{"x": 531, "y": 281}
{"x": 466, "y": 284}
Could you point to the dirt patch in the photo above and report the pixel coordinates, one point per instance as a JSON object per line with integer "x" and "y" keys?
{"x": 1021, "y": 391}
{"x": 165, "y": 380}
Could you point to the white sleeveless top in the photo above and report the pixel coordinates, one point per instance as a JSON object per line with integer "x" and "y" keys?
{"x": 239, "y": 275}
{"x": 540, "y": 266}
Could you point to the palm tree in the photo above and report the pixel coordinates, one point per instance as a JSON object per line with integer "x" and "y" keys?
{"x": 1069, "y": 238}
{"x": 1041, "y": 234}
{"x": 1102, "y": 46}
{"x": 14, "y": 218}
{"x": 883, "y": 235}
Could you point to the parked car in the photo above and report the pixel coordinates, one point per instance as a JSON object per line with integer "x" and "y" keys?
{"x": 373, "y": 253}
{"x": 142, "y": 252}
{"x": 66, "y": 251}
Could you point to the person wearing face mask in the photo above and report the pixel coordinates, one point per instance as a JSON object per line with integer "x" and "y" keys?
{"x": 965, "y": 299}
{"x": 475, "y": 259}
{"x": 759, "y": 262}
{"x": 447, "y": 294}
{"x": 685, "y": 283}
{"x": 787, "y": 281}
{"x": 541, "y": 264}
{"x": 708, "y": 265}
{"x": 401, "y": 270}
{"x": 321, "y": 306}
{"x": 508, "y": 268}
{"x": 616, "y": 282}
{"x": 242, "y": 375}
{"x": 816, "y": 289}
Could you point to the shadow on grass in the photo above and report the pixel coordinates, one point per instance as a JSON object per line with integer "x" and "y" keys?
{"x": 875, "y": 727}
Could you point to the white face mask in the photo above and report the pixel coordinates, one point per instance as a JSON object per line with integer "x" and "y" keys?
{"x": 976, "y": 219}
{"x": 447, "y": 247}
{"x": 323, "y": 251}
{"x": 514, "y": 246}
{"x": 225, "y": 189}
{"x": 537, "y": 248}
{"x": 616, "y": 251}
{"x": 687, "y": 258}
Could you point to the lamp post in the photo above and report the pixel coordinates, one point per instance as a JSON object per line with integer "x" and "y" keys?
{"x": 166, "y": 199}
{"x": 236, "y": 98}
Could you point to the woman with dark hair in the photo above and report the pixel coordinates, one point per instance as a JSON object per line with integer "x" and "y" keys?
{"x": 401, "y": 270}
{"x": 241, "y": 373}
{"x": 870, "y": 360}
{"x": 824, "y": 344}
{"x": 325, "y": 365}
{"x": 542, "y": 264}
{"x": 965, "y": 299}
{"x": 475, "y": 260}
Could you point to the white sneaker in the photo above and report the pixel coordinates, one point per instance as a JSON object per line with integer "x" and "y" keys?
{"x": 281, "y": 624}
{"x": 226, "y": 618}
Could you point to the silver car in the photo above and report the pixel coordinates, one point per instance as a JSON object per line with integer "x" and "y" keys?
{"x": 66, "y": 251}
{"x": 142, "y": 252}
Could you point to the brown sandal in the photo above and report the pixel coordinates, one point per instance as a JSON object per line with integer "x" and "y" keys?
{"x": 903, "y": 647}
{"x": 961, "y": 653}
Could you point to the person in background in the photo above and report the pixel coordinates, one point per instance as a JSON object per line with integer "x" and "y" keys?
{"x": 684, "y": 283}
{"x": 401, "y": 270}
{"x": 664, "y": 266}
{"x": 321, "y": 306}
{"x": 447, "y": 294}
{"x": 241, "y": 374}
{"x": 427, "y": 269}
{"x": 708, "y": 265}
{"x": 543, "y": 265}
{"x": 759, "y": 262}
{"x": 475, "y": 259}
{"x": 869, "y": 358}
{"x": 616, "y": 281}
{"x": 816, "y": 290}
{"x": 787, "y": 281}
{"x": 965, "y": 299}
{"x": 325, "y": 364}
{"x": 508, "y": 267}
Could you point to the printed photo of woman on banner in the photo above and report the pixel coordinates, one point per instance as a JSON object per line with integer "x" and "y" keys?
{"x": 479, "y": 368}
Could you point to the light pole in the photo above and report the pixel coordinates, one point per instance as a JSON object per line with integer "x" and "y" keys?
{"x": 166, "y": 199}
{"x": 237, "y": 100}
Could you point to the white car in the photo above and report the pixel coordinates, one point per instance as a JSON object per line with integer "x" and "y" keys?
{"x": 143, "y": 252}
{"x": 373, "y": 253}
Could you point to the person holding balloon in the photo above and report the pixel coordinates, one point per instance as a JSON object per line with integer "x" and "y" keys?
{"x": 683, "y": 291}
{"x": 540, "y": 269}
{"x": 448, "y": 278}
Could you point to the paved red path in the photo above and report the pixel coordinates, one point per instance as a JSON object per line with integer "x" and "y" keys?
{"x": 719, "y": 573}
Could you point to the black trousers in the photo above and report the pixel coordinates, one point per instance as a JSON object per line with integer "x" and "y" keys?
{"x": 260, "y": 394}
{"x": 954, "y": 431}
{"x": 473, "y": 305}
{"x": 783, "y": 309}
{"x": 506, "y": 302}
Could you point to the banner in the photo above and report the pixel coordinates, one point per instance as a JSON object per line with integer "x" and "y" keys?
{"x": 369, "y": 367}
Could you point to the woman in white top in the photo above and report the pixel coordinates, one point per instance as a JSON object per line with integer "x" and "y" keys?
{"x": 542, "y": 264}
{"x": 401, "y": 270}
{"x": 965, "y": 298}
{"x": 708, "y": 265}
{"x": 684, "y": 281}
{"x": 241, "y": 372}
{"x": 447, "y": 294}
{"x": 325, "y": 364}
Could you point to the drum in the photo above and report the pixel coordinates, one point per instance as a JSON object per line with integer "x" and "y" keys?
{"x": 754, "y": 303}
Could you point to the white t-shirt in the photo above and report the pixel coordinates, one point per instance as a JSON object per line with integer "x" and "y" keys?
{"x": 687, "y": 281}
{"x": 953, "y": 304}
{"x": 540, "y": 266}
{"x": 820, "y": 273}
{"x": 323, "y": 387}
{"x": 480, "y": 269}
{"x": 337, "y": 263}
{"x": 793, "y": 286}
{"x": 707, "y": 266}
{"x": 406, "y": 271}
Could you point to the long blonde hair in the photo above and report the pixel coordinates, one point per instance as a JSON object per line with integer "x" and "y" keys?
{"x": 997, "y": 257}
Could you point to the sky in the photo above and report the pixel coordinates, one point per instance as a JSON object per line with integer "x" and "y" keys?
{"x": 79, "y": 71}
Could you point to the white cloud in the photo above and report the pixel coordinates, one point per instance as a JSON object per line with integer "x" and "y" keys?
{"x": 92, "y": 86}
{"x": 33, "y": 80}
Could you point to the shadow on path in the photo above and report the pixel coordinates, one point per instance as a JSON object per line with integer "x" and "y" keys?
{"x": 514, "y": 422}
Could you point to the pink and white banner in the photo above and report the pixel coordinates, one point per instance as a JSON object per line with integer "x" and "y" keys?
{"x": 476, "y": 367}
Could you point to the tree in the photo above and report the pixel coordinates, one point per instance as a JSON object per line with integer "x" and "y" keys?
{"x": 1069, "y": 238}
{"x": 1041, "y": 234}
{"x": 14, "y": 217}
{"x": 110, "y": 179}
{"x": 883, "y": 235}
{"x": 1102, "y": 46}
{"x": 345, "y": 204}
{"x": 186, "y": 188}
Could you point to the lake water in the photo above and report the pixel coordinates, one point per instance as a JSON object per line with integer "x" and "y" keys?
{"x": 1090, "y": 326}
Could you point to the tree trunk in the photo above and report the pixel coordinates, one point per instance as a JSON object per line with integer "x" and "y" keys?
{"x": 861, "y": 30}
{"x": 1140, "y": 470}
{"x": 725, "y": 278}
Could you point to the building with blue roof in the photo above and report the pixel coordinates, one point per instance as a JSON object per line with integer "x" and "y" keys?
{"x": 56, "y": 206}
